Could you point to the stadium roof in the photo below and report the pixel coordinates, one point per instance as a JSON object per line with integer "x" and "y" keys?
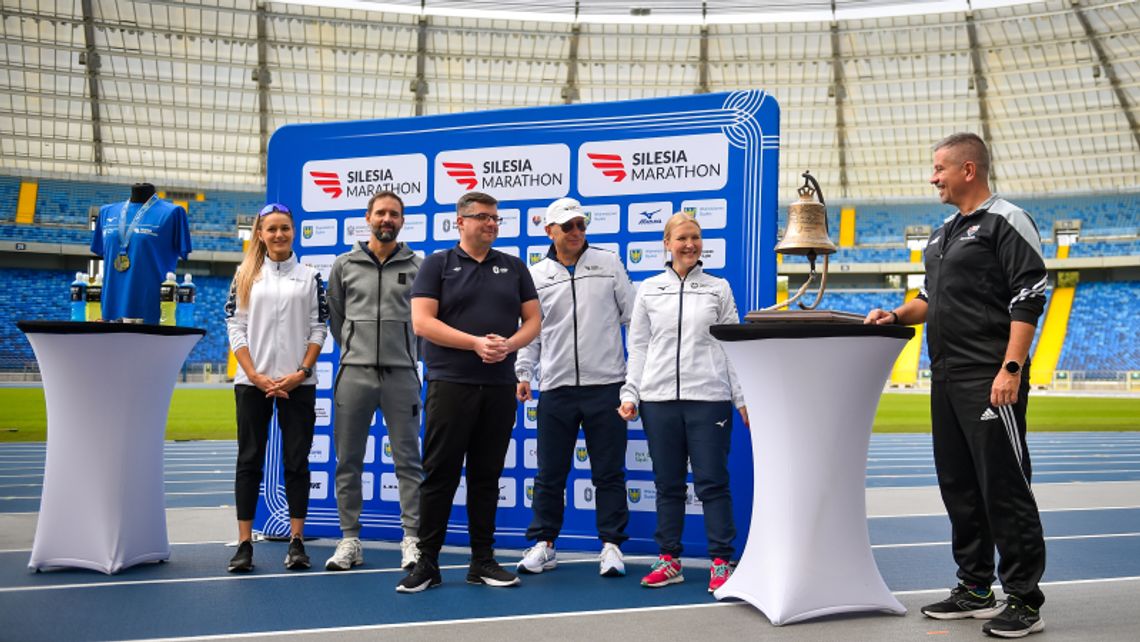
{"x": 187, "y": 93}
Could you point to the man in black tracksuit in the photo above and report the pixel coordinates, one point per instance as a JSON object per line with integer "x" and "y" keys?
{"x": 984, "y": 291}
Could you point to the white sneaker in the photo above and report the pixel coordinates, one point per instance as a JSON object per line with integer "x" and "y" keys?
{"x": 410, "y": 552}
{"x": 348, "y": 553}
{"x": 538, "y": 558}
{"x": 612, "y": 564}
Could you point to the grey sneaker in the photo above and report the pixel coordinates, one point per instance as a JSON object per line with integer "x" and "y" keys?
{"x": 1016, "y": 621}
{"x": 409, "y": 552}
{"x": 538, "y": 558}
{"x": 964, "y": 602}
{"x": 349, "y": 553}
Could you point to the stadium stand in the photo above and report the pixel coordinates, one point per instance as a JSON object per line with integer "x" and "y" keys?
{"x": 29, "y": 295}
{"x": 9, "y": 195}
{"x": 62, "y": 210}
{"x": 1103, "y": 340}
{"x": 1099, "y": 337}
{"x": 50, "y": 302}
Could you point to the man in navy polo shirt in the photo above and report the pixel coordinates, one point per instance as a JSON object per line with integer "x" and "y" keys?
{"x": 466, "y": 304}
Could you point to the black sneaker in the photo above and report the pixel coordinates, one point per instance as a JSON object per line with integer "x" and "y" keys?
{"x": 242, "y": 561}
{"x": 1016, "y": 621}
{"x": 296, "y": 559}
{"x": 424, "y": 575}
{"x": 965, "y": 602}
{"x": 490, "y": 573}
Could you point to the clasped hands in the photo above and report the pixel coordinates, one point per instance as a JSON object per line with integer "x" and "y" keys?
{"x": 280, "y": 386}
{"x": 492, "y": 348}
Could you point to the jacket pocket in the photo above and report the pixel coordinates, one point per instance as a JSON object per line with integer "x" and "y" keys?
{"x": 360, "y": 349}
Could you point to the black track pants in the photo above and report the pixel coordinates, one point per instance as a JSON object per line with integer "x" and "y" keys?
{"x": 984, "y": 473}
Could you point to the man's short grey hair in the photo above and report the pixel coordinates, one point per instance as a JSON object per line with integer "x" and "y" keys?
{"x": 973, "y": 149}
{"x": 465, "y": 201}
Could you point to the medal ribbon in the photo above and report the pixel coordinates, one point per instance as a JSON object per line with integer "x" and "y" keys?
{"x": 125, "y": 231}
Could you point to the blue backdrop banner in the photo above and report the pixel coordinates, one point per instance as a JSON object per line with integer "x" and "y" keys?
{"x": 631, "y": 164}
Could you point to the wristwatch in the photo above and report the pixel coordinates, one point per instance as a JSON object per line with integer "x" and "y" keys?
{"x": 1012, "y": 367}
{"x": 306, "y": 370}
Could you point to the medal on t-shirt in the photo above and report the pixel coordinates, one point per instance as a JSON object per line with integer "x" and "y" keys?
{"x": 121, "y": 262}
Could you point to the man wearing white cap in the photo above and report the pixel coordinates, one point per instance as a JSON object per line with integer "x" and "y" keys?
{"x": 585, "y": 296}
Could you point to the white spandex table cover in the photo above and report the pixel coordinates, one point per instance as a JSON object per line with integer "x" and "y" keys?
{"x": 811, "y": 398}
{"x": 107, "y": 389}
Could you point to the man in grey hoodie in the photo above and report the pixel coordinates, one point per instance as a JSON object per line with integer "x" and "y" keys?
{"x": 370, "y": 315}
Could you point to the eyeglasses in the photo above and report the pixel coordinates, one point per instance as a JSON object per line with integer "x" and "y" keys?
{"x": 575, "y": 224}
{"x": 274, "y": 208}
{"x": 483, "y": 217}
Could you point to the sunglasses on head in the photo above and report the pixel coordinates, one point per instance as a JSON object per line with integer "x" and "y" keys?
{"x": 574, "y": 224}
{"x": 275, "y": 208}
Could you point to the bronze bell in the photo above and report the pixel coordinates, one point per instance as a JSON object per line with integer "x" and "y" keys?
{"x": 807, "y": 223}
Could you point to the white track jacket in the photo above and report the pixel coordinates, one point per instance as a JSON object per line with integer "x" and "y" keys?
{"x": 287, "y": 311}
{"x": 582, "y": 315}
{"x": 672, "y": 356}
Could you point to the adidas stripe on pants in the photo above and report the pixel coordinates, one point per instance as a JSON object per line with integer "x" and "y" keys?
{"x": 984, "y": 474}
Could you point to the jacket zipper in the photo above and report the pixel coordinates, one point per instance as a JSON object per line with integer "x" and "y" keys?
{"x": 379, "y": 307}
{"x": 680, "y": 316}
{"x": 574, "y": 303}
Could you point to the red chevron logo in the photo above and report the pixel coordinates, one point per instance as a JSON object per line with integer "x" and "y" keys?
{"x": 329, "y": 183}
{"x": 463, "y": 173}
{"x": 611, "y": 165}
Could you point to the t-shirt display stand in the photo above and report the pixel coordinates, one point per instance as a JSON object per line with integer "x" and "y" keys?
{"x": 107, "y": 388}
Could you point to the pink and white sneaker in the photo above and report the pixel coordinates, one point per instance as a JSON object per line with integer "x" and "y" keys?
{"x": 665, "y": 571}
{"x": 718, "y": 574}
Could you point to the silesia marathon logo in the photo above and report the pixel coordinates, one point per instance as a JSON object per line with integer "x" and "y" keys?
{"x": 329, "y": 182}
{"x": 463, "y": 173}
{"x": 611, "y": 165}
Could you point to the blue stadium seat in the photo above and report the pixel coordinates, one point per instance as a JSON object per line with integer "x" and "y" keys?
{"x": 1102, "y": 336}
{"x": 51, "y": 303}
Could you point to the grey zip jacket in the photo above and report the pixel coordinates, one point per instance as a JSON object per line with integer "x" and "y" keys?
{"x": 370, "y": 310}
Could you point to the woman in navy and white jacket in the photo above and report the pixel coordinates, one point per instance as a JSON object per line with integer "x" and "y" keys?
{"x": 686, "y": 389}
{"x": 275, "y": 317}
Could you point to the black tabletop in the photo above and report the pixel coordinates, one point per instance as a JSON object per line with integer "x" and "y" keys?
{"x": 749, "y": 331}
{"x": 83, "y": 327}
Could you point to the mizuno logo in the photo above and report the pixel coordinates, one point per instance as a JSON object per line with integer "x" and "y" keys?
{"x": 329, "y": 183}
{"x": 456, "y": 269}
{"x": 649, "y": 214}
{"x": 463, "y": 173}
{"x": 611, "y": 165}
{"x": 988, "y": 415}
{"x": 721, "y": 423}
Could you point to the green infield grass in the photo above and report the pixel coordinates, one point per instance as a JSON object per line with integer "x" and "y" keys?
{"x": 208, "y": 413}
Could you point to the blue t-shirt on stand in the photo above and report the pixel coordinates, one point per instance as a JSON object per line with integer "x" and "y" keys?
{"x": 161, "y": 237}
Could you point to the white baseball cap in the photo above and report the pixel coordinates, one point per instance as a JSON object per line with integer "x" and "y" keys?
{"x": 563, "y": 210}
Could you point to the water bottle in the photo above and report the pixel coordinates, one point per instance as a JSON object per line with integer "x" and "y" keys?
{"x": 186, "y": 295}
{"x": 167, "y": 294}
{"x": 95, "y": 299}
{"x": 79, "y": 297}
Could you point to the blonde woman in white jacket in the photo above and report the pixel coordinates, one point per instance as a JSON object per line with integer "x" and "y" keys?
{"x": 680, "y": 380}
{"x": 275, "y": 317}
